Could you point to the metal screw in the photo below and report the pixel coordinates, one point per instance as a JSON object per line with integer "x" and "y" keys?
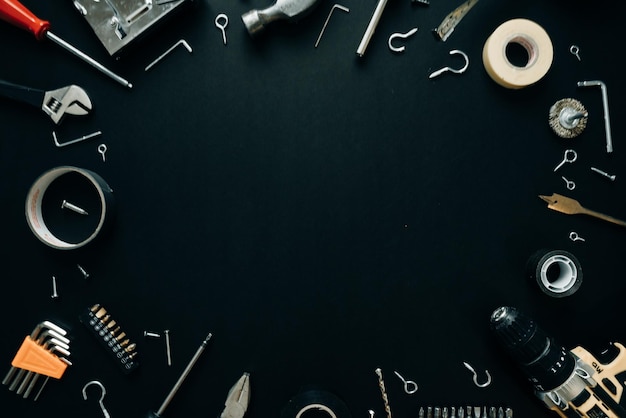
{"x": 611, "y": 177}
{"x": 55, "y": 295}
{"x": 167, "y": 347}
{"x": 151, "y": 334}
{"x": 67, "y": 205}
{"x": 83, "y": 271}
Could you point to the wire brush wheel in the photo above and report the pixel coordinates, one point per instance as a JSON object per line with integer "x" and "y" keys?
{"x": 568, "y": 118}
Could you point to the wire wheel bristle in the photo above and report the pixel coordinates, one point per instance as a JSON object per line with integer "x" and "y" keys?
{"x": 568, "y": 118}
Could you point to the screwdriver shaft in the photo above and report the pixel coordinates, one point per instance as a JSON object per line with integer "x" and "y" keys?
{"x": 182, "y": 377}
{"x": 87, "y": 59}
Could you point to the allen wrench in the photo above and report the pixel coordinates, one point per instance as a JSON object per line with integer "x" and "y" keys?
{"x": 399, "y": 35}
{"x": 452, "y": 70}
{"x": 605, "y": 104}
{"x": 475, "y": 377}
{"x": 73, "y": 141}
{"x": 335, "y": 6}
{"x": 181, "y": 42}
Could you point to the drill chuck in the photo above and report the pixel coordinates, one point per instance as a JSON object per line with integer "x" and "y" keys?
{"x": 546, "y": 363}
{"x": 572, "y": 383}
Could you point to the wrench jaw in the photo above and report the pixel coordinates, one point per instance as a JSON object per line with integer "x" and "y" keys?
{"x": 72, "y": 100}
{"x": 39, "y": 356}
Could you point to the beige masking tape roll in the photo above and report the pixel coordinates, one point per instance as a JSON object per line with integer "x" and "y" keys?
{"x": 535, "y": 41}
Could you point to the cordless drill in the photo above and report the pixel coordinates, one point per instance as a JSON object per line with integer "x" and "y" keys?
{"x": 572, "y": 383}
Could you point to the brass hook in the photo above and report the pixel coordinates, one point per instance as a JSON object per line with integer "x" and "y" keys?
{"x": 475, "y": 378}
{"x": 452, "y": 70}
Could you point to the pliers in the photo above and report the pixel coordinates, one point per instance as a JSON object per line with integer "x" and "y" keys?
{"x": 238, "y": 398}
{"x": 71, "y": 99}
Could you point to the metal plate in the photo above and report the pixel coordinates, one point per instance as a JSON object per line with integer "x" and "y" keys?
{"x": 117, "y": 23}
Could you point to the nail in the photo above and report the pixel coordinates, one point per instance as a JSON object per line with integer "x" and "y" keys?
{"x": 55, "y": 295}
{"x": 167, "y": 347}
{"x": 67, "y": 205}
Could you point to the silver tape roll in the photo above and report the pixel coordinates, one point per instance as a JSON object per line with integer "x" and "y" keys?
{"x": 34, "y": 200}
{"x": 558, "y": 273}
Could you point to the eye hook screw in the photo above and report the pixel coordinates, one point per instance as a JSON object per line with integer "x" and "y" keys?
{"x": 475, "y": 378}
{"x": 104, "y": 392}
{"x": 410, "y": 386}
{"x": 452, "y": 70}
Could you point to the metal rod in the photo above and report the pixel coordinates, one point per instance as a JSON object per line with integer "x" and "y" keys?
{"x": 87, "y": 59}
{"x": 182, "y": 377}
{"x": 371, "y": 27}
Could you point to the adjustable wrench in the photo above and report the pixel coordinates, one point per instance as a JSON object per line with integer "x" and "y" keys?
{"x": 71, "y": 99}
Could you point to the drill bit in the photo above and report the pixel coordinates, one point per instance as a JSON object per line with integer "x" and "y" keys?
{"x": 383, "y": 391}
{"x": 570, "y": 206}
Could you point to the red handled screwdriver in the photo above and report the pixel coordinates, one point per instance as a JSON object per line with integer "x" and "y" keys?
{"x": 16, "y": 14}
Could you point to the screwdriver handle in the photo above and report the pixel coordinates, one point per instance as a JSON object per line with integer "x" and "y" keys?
{"x": 16, "y": 14}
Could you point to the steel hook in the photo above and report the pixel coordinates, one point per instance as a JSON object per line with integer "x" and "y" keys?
{"x": 410, "y": 387}
{"x": 475, "y": 377}
{"x": 452, "y": 70}
{"x": 399, "y": 35}
{"x": 100, "y": 401}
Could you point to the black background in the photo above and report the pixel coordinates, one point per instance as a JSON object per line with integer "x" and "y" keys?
{"x": 321, "y": 214}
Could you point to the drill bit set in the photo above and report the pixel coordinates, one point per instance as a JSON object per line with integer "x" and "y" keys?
{"x": 465, "y": 412}
{"x": 111, "y": 337}
{"x": 44, "y": 352}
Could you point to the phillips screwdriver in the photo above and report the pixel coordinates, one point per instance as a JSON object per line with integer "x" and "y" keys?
{"x": 13, "y": 12}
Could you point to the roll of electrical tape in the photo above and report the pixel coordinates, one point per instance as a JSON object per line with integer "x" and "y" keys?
{"x": 325, "y": 403}
{"x": 535, "y": 41}
{"x": 558, "y": 273}
{"x": 34, "y": 200}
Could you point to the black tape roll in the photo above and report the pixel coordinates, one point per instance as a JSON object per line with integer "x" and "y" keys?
{"x": 558, "y": 273}
{"x": 321, "y": 401}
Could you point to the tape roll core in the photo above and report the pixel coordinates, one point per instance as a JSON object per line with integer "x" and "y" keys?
{"x": 533, "y": 38}
{"x": 34, "y": 200}
{"x": 317, "y": 407}
{"x": 558, "y": 273}
{"x": 315, "y": 402}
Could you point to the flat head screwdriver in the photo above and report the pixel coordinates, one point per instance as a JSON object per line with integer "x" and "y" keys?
{"x": 13, "y": 12}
